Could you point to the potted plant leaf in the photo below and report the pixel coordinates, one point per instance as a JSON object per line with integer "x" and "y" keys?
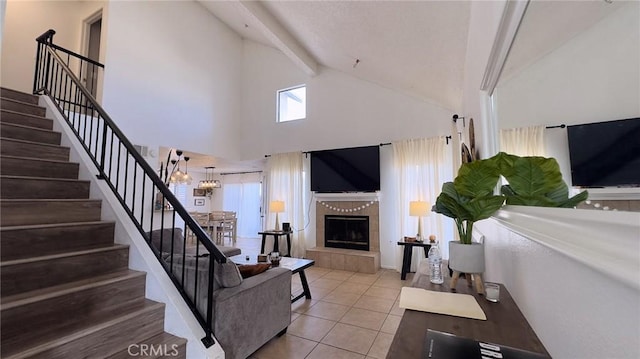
{"x": 533, "y": 181}
{"x": 468, "y": 199}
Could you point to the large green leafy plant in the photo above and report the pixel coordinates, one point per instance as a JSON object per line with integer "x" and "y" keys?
{"x": 533, "y": 181}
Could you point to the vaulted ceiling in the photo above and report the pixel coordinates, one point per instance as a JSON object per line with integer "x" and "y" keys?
{"x": 415, "y": 47}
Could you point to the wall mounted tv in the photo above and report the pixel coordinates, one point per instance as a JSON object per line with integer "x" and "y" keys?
{"x": 605, "y": 154}
{"x": 346, "y": 170}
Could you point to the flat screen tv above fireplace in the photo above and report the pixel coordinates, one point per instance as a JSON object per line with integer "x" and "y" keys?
{"x": 354, "y": 169}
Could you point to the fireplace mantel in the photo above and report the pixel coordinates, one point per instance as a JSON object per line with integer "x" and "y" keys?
{"x": 355, "y": 196}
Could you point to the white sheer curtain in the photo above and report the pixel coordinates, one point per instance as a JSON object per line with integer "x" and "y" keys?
{"x": 244, "y": 199}
{"x": 422, "y": 166}
{"x": 285, "y": 182}
{"x": 525, "y": 141}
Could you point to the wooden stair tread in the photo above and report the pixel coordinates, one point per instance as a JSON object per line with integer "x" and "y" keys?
{"x": 31, "y": 128}
{"x": 11, "y": 93}
{"x": 24, "y": 114}
{"x": 68, "y": 200}
{"x": 52, "y": 225}
{"x": 70, "y": 180}
{"x": 8, "y": 139}
{"x": 80, "y": 330}
{"x": 21, "y": 118}
{"x": 20, "y": 102}
{"x": 115, "y": 247}
{"x": 61, "y": 289}
{"x": 44, "y": 160}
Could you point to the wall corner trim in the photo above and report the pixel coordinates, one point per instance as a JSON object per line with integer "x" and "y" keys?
{"x": 606, "y": 241}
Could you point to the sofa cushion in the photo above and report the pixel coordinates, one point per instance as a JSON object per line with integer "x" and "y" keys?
{"x": 227, "y": 274}
{"x": 249, "y": 270}
{"x": 201, "y": 249}
{"x": 167, "y": 235}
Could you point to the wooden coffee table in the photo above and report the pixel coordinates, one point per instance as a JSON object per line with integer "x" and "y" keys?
{"x": 295, "y": 265}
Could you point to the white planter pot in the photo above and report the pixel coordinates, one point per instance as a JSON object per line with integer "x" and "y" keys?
{"x": 466, "y": 258}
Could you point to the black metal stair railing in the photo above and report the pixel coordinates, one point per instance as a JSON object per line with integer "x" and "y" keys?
{"x": 143, "y": 195}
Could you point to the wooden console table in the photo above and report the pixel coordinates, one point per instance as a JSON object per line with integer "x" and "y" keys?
{"x": 505, "y": 324}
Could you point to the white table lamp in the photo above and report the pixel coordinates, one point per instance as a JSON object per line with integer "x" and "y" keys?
{"x": 276, "y": 207}
{"x": 419, "y": 209}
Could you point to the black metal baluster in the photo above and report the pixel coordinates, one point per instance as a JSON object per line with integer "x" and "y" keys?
{"x": 77, "y": 112}
{"x": 153, "y": 205}
{"x": 93, "y": 119}
{"x": 126, "y": 176}
{"x": 144, "y": 182}
{"x": 85, "y": 116}
{"x": 111, "y": 156}
{"x": 46, "y": 83}
{"x": 208, "y": 339}
{"x": 133, "y": 195}
{"x": 118, "y": 167}
{"x": 104, "y": 150}
{"x": 54, "y": 82}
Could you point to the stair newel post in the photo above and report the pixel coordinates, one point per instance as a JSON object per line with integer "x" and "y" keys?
{"x": 38, "y": 65}
{"x": 208, "y": 339}
{"x": 42, "y": 40}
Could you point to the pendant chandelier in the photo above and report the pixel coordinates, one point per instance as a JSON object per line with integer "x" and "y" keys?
{"x": 177, "y": 176}
{"x": 209, "y": 183}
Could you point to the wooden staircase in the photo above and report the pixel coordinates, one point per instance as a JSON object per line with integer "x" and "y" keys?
{"x": 65, "y": 287}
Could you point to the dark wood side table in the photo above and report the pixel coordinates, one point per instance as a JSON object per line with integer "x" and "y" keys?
{"x": 276, "y": 236}
{"x": 408, "y": 252}
{"x": 505, "y": 324}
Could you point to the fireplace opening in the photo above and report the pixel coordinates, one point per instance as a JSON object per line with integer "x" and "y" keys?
{"x": 350, "y": 232}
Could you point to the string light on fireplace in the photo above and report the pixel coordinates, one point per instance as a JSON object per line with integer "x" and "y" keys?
{"x": 348, "y": 210}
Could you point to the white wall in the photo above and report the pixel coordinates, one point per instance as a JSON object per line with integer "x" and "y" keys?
{"x": 172, "y": 76}
{"x": 576, "y": 310}
{"x": 26, "y": 20}
{"x": 484, "y": 20}
{"x": 342, "y": 111}
{"x": 593, "y": 77}
{"x": 3, "y": 11}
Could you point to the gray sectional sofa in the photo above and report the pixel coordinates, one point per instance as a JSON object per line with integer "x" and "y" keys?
{"x": 247, "y": 313}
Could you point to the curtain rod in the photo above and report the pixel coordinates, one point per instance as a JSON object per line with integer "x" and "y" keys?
{"x": 239, "y": 173}
{"x": 557, "y": 126}
{"x": 307, "y": 152}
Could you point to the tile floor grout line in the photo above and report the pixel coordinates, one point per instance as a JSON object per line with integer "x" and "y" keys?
{"x": 384, "y": 281}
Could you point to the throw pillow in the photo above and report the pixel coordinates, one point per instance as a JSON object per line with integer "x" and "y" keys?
{"x": 249, "y": 270}
{"x": 227, "y": 274}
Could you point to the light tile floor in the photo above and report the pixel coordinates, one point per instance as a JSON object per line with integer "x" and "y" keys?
{"x": 351, "y": 315}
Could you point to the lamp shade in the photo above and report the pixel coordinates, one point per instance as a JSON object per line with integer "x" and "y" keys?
{"x": 418, "y": 208}
{"x": 276, "y": 206}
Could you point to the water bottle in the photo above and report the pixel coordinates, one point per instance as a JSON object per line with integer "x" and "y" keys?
{"x": 435, "y": 264}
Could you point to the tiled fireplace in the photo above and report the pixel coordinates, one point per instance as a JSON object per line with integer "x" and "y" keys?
{"x": 354, "y": 242}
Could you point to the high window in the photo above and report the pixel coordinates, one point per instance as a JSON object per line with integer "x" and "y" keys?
{"x": 292, "y": 103}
